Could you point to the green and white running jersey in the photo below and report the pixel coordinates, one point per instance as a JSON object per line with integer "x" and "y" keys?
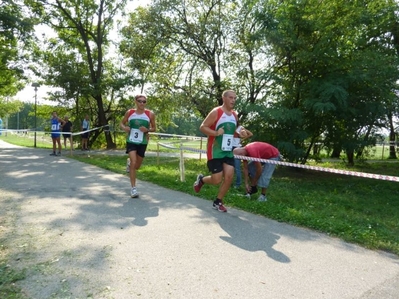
{"x": 222, "y": 146}
{"x": 136, "y": 121}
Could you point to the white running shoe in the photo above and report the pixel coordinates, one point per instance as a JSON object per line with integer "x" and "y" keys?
{"x": 262, "y": 198}
{"x": 134, "y": 193}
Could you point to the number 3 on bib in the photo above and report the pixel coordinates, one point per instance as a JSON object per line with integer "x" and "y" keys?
{"x": 227, "y": 142}
{"x": 136, "y": 136}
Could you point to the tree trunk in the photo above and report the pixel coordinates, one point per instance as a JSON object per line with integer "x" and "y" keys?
{"x": 305, "y": 158}
{"x": 102, "y": 121}
{"x": 392, "y": 141}
{"x": 350, "y": 155}
{"x": 312, "y": 143}
{"x": 359, "y": 152}
{"x": 336, "y": 153}
{"x": 316, "y": 149}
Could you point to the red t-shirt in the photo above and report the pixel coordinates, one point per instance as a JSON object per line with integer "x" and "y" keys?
{"x": 261, "y": 150}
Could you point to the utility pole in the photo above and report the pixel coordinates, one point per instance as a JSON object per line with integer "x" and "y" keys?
{"x": 35, "y": 85}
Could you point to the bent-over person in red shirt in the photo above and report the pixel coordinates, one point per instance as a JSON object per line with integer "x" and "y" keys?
{"x": 258, "y": 174}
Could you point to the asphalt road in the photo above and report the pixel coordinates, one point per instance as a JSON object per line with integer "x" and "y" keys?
{"x": 78, "y": 234}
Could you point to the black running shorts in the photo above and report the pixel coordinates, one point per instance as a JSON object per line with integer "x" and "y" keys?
{"x": 216, "y": 165}
{"x": 139, "y": 148}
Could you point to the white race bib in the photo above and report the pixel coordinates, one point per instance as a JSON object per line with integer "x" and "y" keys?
{"x": 53, "y": 127}
{"x": 236, "y": 142}
{"x": 227, "y": 142}
{"x": 136, "y": 136}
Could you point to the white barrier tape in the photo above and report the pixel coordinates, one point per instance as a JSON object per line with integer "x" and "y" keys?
{"x": 50, "y": 132}
{"x": 168, "y": 135}
{"x": 194, "y": 150}
{"x": 168, "y": 146}
{"x": 82, "y": 132}
{"x": 176, "y": 136}
{"x": 317, "y": 168}
{"x": 18, "y": 131}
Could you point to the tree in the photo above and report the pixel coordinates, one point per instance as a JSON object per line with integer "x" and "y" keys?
{"x": 170, "y": 44}
{"x": 8, "y": 107}
{"x": 393, "y": 110}
{"x": 332, "y": 72}
{"x": 14, "y": 27}
{"x": 82, "y": 30}
{"x": 192, "y": 49}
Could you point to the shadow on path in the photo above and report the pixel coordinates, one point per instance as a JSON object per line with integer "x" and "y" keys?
{"x": 250, "y": 237}
{"x": 139, "y": 210}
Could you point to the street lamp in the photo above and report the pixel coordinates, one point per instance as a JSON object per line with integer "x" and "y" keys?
{"x": 35, "y": 85}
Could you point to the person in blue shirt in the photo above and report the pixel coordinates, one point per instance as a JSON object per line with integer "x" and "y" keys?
{"x": 56, "y": 124}
{"x": 85, "y": 135}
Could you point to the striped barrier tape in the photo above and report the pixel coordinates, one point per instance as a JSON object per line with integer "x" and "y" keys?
{"x": 317, "y": 168}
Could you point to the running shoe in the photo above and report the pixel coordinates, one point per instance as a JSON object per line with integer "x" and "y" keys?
{"x": 262, "y": 198}
{"x": 59, "y": 154}
{"x": 198, "y": 183}
{"x": 218, "y": 205}
{"x": 53, "y": 154}
{"x": 134, "y": 193}
{"x": 254, "y": 189}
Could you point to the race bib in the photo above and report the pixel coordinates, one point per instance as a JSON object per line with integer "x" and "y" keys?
{"x": 136, "y": 136}
{"x": 236, "y": 142}
{"x": 53, "y": 127}
{"x": 227, "y": 142}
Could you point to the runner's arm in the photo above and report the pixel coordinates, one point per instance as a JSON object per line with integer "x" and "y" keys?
{"x": 208, "y": 122}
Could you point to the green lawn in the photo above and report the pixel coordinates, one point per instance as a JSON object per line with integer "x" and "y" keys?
{"x": 43, "y": 140}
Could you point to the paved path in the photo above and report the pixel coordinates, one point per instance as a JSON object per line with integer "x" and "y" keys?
{"x": 75, "y": 229}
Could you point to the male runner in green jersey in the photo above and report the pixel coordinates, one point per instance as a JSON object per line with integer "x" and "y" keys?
{"x": 140, "y": 122}
{"x": 220, "y": 125}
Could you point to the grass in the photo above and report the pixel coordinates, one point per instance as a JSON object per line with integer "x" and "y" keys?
{"x": 379, "y": 153}
{"x": 8, "y": 275}
{"x": 358, "y": 210}
{"x": 44, "y": 141}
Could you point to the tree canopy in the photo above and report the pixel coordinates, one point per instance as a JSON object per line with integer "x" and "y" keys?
{"x": 305, "y": 71}
{"x": 15, "y": 30}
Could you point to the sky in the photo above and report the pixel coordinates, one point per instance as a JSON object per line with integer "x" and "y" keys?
{"x": 27, "y": 95}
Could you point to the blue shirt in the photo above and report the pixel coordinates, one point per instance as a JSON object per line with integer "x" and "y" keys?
{"x": 55, "y": 128}
{"x": 86, "y": 125}
{"x": 55, "y": 125}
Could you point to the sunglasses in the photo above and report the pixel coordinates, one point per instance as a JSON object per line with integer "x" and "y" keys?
{"x": 141, "y": 101}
